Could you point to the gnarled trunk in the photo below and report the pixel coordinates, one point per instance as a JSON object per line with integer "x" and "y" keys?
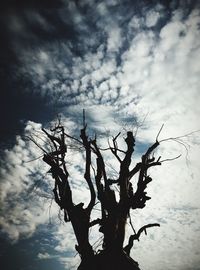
{"x": 109, "y": 260}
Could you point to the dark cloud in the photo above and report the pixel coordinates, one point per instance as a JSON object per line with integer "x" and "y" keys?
{"x": 17, "y": 107}
{"x": 7, "y": 5}
{"x": 24, "y": 254}
{"x": 24, "y": 25}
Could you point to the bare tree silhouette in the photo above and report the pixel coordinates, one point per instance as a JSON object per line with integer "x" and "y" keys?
{"x": 114, "y": 212}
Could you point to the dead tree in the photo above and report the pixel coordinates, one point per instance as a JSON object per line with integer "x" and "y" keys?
{"x": 114, "y": 212}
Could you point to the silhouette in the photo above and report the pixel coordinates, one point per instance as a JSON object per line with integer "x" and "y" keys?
{"x": 115, "y": 211}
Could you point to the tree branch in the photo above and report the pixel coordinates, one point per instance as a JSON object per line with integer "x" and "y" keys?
{"x": 159, "y": 132}
{"x": 170, "y": 159}
{"x": 124, "y": 168}
{"x": 135, "y": 170}
{"x": 139, "y": 199}
{"x": 87, "y": 174}
{"x": 136, "y": 236}
{"x": 65, "y": 200}
{"x": 95, "y": 222}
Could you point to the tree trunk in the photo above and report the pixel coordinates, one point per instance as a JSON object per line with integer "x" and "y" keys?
{"x": 109, "y": 260}
{"x": 113, "y": 256}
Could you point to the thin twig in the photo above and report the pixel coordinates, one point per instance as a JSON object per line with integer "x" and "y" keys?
{"x": 31, "y": 139}
{"x": 179, "y": 137}
{"x": 32, "y": 159}
{"x": 83, "y": 118}
{"x": 131, "y": 224}
{"x": 73, "y": 138}
{"x": 159, "y": 132}
{"x": 169, "y": 159}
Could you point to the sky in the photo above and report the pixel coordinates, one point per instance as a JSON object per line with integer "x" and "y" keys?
{"x": 129, "y": 64}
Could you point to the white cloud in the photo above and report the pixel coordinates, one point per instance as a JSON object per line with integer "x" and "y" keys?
{"x": 170, "y": 35}
{"x": 152, "y": 18}
{"x": 19, "y": 216}
{"x": 44, "y": 256}
{"x": 136, "y": 22}
{"x": 114, "y": 39}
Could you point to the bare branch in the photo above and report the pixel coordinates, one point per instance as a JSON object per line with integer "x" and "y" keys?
{"x": 135, "y": 170}
{"x": 27, "y": 161}
{"x": 100, "y": 162}
{"x": 136, "y": 236}
{"x": 84, "y": 124}
{"x": 159, "y": 132}
{"x": 130, "y": 220}
{"x": 169, "y": 159}
{"x": 139, "y": 199}
{"x": 114, "y": 149}
{"x": 39, "y": 146}
{"x": 87, "y": 174}
{"x": 179, "y": 137}
{"x": 115, "y": 138}
{"x": 95, "y": 222}
{"x": 73, "y": 138}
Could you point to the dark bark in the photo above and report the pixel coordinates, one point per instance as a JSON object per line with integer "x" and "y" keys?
{"x": 110, "y": 260}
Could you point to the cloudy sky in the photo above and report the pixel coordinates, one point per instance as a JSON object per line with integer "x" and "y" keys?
{"x": 127, "y": 63}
